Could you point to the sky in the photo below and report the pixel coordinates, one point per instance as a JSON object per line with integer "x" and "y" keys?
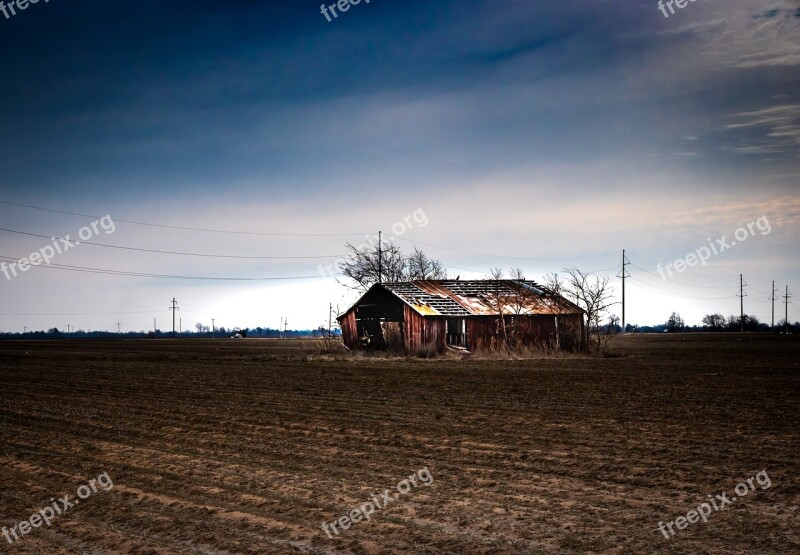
{"x": 539, "y": 135}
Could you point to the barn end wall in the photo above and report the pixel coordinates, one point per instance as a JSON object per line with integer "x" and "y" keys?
{"x": 422, "y": 332}
{"x": 350, "y": 330}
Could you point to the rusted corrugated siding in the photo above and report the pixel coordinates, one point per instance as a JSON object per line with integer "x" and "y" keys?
{"x": 350, "y": 330}
{"x": 481, "y": 330}
{"x": 484, "y": 331}
{"x": 421, "y": 332}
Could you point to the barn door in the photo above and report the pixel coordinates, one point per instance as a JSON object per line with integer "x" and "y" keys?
{"x": 456, "y": 330}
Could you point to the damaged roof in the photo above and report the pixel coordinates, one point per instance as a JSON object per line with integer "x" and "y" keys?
{"x": 480, "y": 298}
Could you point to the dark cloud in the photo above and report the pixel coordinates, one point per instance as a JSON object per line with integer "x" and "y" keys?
{"x": 585, "y": 104}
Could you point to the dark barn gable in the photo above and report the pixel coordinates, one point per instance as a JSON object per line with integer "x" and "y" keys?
{"x": 431, "y": 315}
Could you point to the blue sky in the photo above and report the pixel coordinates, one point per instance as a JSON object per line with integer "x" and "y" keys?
{"x": 531, "y": 134}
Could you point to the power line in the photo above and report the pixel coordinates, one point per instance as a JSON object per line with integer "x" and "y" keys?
{"x": 624, "y": 274}
{"x": 461, "y": 251}
{"x": 671, "y": 280}
{"x": 772, "y": 298}
{"x": 464, "y": 269}
{"x": 741, "y": 296}
{"x": 86, "y": 269}
{"x": 73, "y": 313}
{"x": 757, "y": 290}
{"x": 149, "y": 224}
{"x": 174, "y": 308}
{"x": 176, "y": 252}
{"x": 679, "y": 294}
{"x": 786, "y": 298}
{"x": 602, "y": 270}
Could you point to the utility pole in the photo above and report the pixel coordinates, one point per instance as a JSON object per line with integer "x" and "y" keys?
{"x": 174, "y": 308}
{"x": 380, "y": 256}
{"x": 772, "y": 298}
{"x": 24, "y": 330}
{"x": 180, "y": 326}
{"x": 213, "y": 329}
{"x": 786, "y": 298}
{"x": 118, "y": 330}
{"x": 624, "y": 274}
{"x": 285, "y": 325}
{"x": 741, "y": 296}
{"x": 330, "y": 319}
{"x": 280, "y": 329}
{"x": 155, "y": 329}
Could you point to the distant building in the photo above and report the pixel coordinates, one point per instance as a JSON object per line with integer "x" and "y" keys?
{"x": 418, "y": 315}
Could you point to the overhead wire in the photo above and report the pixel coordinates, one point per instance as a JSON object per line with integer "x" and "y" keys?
{"x": 87, "y": 269}
{"x": 271, "y": 278}
{"x": 77, "y": 313}
{"x": 179, "y": 253}
{"x": 678, "y": 294}
{"x": 671, "y": 280}
{"x": 486, "y": 255}
{"x": 186, "y": 228}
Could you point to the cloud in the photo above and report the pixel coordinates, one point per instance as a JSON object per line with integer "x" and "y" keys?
{"x": 748, "y": 40}
{"x": 771, "y": 130}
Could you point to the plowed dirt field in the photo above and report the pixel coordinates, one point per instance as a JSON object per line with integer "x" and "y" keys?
{"x": 249, "y": 446}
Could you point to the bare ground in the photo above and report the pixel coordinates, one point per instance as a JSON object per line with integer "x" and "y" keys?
{"x": 249, "y": 446}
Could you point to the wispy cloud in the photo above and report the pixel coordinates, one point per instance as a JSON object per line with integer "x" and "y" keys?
{"x": 771, "y": 130}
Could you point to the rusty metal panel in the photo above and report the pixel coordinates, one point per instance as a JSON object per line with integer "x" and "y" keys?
{"x": 538, "y": 330}
{"x": 421, "y": 332}
{"x": 349, "y": 330}
{"x": 480, "y": 298}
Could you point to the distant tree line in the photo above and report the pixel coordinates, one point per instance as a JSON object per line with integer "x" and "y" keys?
{"x": 201, "y": 332}
{"x": 710, "y": 323}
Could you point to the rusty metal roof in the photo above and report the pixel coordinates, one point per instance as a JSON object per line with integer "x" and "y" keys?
{"x": 480, "y": 298}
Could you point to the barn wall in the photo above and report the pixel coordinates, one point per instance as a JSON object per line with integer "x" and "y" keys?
{"x": 538, "y": 330}
{"x": 571, "y": 328}
{"x": 534, "y": 330}
{"x": 421, "y": 332}
{"x": 350, "y": 330}
{"x": 480, "y": 331}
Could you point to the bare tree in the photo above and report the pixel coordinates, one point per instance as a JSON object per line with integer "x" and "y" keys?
{"x": 591, "y": 293}
{"x": 519, "y": 303}
{"x": 554, "y": 283}
{"x": 499, "y": 300}
{"x": 420, "y": 266}
{"x": 361, "y": 264}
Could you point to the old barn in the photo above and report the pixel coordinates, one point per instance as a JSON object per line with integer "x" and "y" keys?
{"x": 418, "y": 315}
